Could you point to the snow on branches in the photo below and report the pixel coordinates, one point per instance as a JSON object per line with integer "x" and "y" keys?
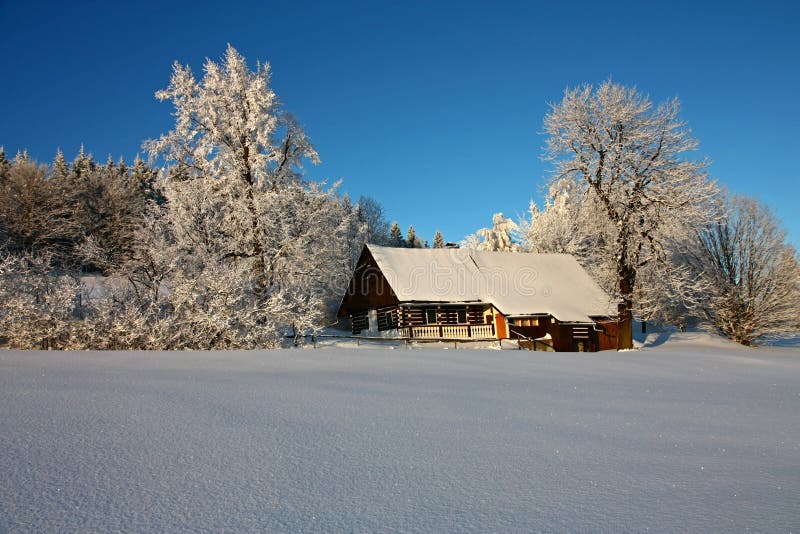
{"x": 629, "y": 158}
{"x": 752, "y": 274}
{"x": 230, "y": 123}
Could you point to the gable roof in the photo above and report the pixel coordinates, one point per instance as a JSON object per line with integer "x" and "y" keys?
{"x": 516, "y": 283}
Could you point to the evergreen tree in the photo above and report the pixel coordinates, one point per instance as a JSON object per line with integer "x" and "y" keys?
{"x": 438, "y": 240}
{"x": 146, "y": 179}
{"x": 411, "y": 238}
{"x": 396, "y": 236}
{"x": 60, "y": 167}
{"x": 83, "y": 164}
{"x": 34, "y": 211}
{"x": 5, "y": 165}
{"x": 347, "y": 204}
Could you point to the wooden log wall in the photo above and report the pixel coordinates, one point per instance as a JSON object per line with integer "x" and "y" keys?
{"x": 415, "y": 315}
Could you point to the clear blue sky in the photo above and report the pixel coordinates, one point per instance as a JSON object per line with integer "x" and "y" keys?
{"x": 433, "y": 109}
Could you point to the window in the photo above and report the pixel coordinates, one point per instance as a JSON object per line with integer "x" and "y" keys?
{"x": 462, "y": 316}
{"x": 430, "y": 316}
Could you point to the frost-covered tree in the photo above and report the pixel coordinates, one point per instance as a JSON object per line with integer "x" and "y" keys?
{"x": 237, "y": 209}
{"x": 146, "y": 180}
{"x": 60, "y": 167}
{"x": 5, "y": 165}
{"x": 630, "y": 158}
{"x": 438, "y": 240}
{"x": 109, "y": 206}
{"x": 412, "y": 241}
{"x": 83, "y": 164}
{"x": 571, "y": 224}
{"x": 35, "y": 210}
{"x": 411, "y": 237}
{"x": 500, "y": 237}
{"x": 370, "y": 213}
{"x": 396, "y": 238}
{"x": 355, "y": 231}
{"x": 752, "y": 274}
{"x": 231, "y": 124}
{"x": 38, "y": 307}
{"x": 566, "y": 224}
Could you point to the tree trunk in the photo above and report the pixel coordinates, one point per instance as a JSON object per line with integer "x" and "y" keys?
{"x": 627, "y": 279}
{"x": 260, "y": 282}
{"x": 625, "y": 329}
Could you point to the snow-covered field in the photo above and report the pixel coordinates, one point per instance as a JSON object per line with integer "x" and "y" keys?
{"x": 684, "y": 435}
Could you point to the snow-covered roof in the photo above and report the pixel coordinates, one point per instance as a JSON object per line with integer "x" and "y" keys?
{"x": 515, "y": 283}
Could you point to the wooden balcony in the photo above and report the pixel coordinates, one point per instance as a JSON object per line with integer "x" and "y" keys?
{"x": 448, "y": 331}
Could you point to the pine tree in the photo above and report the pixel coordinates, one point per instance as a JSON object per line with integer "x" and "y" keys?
{"x": 396, "y": 236}
{"x": 83, "y": 164}
{"x": 60, "y": 167}
{"x": 347, "y": 204}
{"x": 5, "y": 165}
{"x": 123, "y": 168}
{"x": 438, "y": 240}
{"x": 146, "y": 179}
{"x": 411, "y": 238}
{"x": 34, "y": 211}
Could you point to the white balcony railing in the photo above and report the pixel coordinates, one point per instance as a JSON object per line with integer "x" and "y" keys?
{"x": 480, "y": 331}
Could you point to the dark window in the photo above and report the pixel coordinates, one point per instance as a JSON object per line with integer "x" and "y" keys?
{"x": 462, "y": 316}
{"x": 430, "y": 316}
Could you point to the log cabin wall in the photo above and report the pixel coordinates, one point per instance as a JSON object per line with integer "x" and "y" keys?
{"x": 368, "y": 288}
{"x": 388, "y": 318}
{"x": 562, "y": 337}
{"x": 417, "y": 314}
{"x": 607, "y": 338}
{"x": 358, "y": 322}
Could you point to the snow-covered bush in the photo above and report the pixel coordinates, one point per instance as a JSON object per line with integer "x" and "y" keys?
{"x": 39, "y": 309}
{"x": 752, "y": 274}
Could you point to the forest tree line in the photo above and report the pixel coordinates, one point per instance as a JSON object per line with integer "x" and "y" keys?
{"x": 219, "y": 240}
{"x": 224, "y": 245}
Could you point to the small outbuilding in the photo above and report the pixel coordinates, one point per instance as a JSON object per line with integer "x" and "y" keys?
{"x": 458, "y": 293}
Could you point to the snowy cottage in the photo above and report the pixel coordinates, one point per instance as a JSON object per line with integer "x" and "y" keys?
{"x": 468, "y": 294}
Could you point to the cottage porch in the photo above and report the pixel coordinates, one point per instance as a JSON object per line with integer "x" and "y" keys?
{"x": 449, "y": 331}
{"x": 428, "y": 321}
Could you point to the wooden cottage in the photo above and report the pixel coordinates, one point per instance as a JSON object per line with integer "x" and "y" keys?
{"x": 468, "y": 294}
